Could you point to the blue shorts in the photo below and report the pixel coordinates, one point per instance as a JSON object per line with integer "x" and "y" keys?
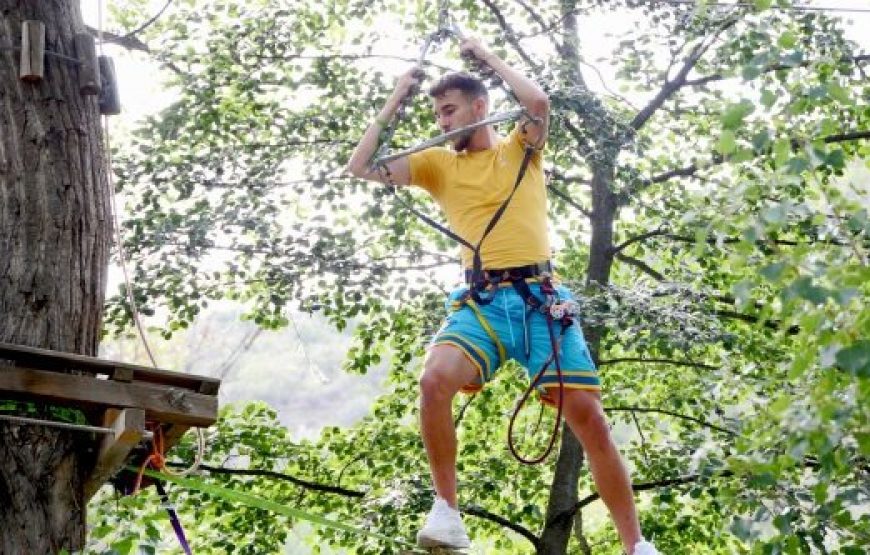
{"x": 524, "y": 339}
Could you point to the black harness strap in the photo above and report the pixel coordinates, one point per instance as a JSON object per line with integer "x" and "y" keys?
{"x": 477, "y": 277}
{"x": 385, "y": 172}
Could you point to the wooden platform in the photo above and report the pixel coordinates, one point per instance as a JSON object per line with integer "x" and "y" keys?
{"x": 113, "y": 394}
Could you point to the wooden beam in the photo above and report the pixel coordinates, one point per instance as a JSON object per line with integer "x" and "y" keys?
{"x": 32, "y": 51}
{"x": 163, "y": 404}
{"x": 110, "y": 102}
{"x": 122, "y": 374}
{"x": 129, "y": 427}
{"x": 44, "y": 359}
{"x": 89, "y": 68}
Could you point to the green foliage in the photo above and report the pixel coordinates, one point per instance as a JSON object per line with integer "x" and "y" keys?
{"x": 736, "y": 307}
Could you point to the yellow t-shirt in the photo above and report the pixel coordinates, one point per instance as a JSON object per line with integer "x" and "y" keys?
{"x": 470, "y": 186}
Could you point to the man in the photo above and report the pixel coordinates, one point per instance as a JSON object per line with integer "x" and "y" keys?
{"x": 470, "y": 182}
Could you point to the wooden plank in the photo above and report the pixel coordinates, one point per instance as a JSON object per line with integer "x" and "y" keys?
{"x": 89, "y": 69}
{"x": 32, "y": 51}
{"x": 56, "y": 361}
{"x": 209, "y": 388}
{"x": 122, "y": 374}
{"x": 129, "y": 427}
{"x": 161, "y": 403}
{"x": 110, "y": 102}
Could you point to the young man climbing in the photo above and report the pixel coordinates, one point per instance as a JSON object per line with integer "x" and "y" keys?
{"x": 470, "y": 183}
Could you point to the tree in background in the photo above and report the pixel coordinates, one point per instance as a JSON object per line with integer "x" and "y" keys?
{"x": 718, "y": 228}
{"x": 56, "y": 230}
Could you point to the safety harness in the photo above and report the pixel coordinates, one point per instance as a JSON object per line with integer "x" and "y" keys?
{"x": 483, "y": 283}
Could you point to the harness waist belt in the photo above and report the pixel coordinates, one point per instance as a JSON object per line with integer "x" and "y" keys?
{"x": 510, "y": 274}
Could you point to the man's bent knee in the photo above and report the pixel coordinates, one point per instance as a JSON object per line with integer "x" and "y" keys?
{"x": 582, "y": 406}
{"x": 445, "y": 372}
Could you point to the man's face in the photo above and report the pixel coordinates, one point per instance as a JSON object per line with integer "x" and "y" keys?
{"x": 453, "y": 110}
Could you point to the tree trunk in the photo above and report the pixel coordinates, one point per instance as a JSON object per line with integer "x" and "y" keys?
{"x": 563, "y": 496}
{"x": 55, "y": 233}
{"x": 563, "y": 491}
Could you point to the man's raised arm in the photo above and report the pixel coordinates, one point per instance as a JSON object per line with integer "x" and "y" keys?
{"x": 530, "y": 95}
{"x": 399, "y": 169}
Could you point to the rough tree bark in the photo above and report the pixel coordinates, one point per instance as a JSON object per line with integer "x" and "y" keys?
{"x": 55, "y": 234}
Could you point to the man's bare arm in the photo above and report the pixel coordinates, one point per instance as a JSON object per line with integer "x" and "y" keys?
{"x": 531, "y": 96}
{"x": 399, "y": 170}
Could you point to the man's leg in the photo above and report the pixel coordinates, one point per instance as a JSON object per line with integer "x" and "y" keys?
{"x": 446, "y": 370}
{"x": 585, "y": 416}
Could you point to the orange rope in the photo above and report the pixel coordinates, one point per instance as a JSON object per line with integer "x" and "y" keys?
{"x": 155, "y": 459}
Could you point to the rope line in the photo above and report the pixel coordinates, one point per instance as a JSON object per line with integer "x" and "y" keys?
{"x": 122, "y": 256}
{"x": 255, "y": 501}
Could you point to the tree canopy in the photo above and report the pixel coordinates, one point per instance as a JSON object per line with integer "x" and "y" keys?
{"x": 711, "y": 207}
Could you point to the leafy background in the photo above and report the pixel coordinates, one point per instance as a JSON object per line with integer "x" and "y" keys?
{"x": 711, "y": 209}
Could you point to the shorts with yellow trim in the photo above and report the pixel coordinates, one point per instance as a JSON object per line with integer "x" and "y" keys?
{"x": 522, "y": 337}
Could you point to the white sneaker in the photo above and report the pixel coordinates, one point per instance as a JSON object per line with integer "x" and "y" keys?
{"x": 644, "y": 547}
{"x": 443, "y": 528}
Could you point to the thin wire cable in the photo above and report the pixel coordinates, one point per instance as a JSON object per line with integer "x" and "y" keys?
{"x": 311, "y": 368}
{"x": 122, "y": 258}
{"x": 63, "y": 425}
{"x": 800, "y": 8}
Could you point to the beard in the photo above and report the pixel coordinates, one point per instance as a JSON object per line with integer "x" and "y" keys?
{"x": 462, "y": 142}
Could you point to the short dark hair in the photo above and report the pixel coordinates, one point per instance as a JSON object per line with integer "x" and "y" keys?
{"x": 470, "y": 85}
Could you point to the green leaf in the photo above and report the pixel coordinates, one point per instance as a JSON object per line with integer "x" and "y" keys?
{"x": 782, "y": 151}
{"x": 787, "y": 40}
{"x": 776, "y": 214}
{"x": 727, "y": 143}
{"x": 772, "y": 272}
{"x": 803, "y": 287}
{"x": 856, "y": 358}
{"x": 734, "y": 115}
{"x": 761, "y": 140}
{"x": 839, "y": 93}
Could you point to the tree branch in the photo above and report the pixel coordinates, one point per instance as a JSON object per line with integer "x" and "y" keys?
{"x": 589, "y": 499}
{"x": 568, "y": 200}
{"x": 663, "y": 232}
{"x": 673, "y": 85}
{"x": 484, "y": 514}
{"x": 510, "y": 35}
{"x": 672, "y": 362}
{"x": 751, "y": 319}
{"x": 717, "y": 159}
{"x": 324, "y": 488}
{"x": 533, "y": 13}
{"x": 640, "y": 264}
{"x": 636, "y": 239}
{"x": 148, "y": 23}
{"x": 668, "y": 482}
{"x": 694, "y": 419}
{"x": 774, "y": 67}
{"x": 130, "y": 42}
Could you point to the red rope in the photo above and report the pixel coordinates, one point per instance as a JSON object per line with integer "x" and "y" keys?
{"x": 554, "y": 357}
{"x": 155, "y": 459}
